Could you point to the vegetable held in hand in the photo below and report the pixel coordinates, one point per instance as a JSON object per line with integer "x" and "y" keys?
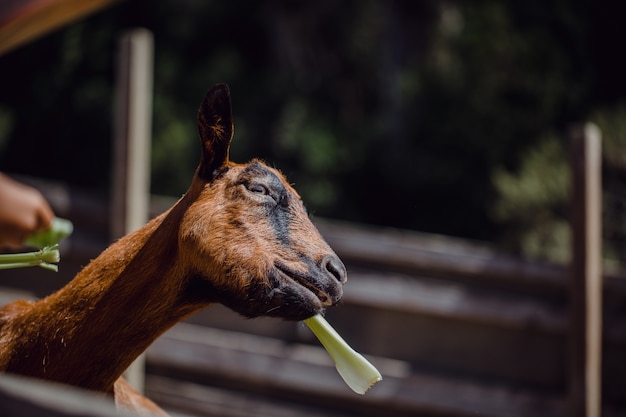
{"x": 356, "y": 371}
{"x": 58, "y": 230}
{"x": 48, "y": 242}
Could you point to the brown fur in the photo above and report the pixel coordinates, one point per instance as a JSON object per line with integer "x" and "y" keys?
{"x": 240, "y": 236}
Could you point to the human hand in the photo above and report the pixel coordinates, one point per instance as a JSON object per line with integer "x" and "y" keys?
{"x": 23, "y": 211}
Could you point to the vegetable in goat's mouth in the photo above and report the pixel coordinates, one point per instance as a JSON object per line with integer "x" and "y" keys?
{"x": 356, "y": 371}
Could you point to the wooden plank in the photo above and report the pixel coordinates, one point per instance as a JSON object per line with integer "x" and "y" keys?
{"x": 208, "y": 401}
{"x": 437, "y": 255}
{"x": 586, "y": 272}
{"x": 24, "y": 397}
{"x": 131, "y": 166}
{"x": 303, "y": 373}
{"x": 449, "y": 300}
{"x": 8, "y": 295}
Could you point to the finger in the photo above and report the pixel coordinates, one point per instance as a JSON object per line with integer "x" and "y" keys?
{"x": 45, "y": 215}
{"x": 11, "y": 237}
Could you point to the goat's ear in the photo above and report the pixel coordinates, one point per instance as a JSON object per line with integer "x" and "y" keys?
{"x": 215, "y": 124}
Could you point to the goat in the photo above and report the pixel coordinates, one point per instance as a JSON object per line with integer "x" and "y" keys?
{"x": 239, "y": 236}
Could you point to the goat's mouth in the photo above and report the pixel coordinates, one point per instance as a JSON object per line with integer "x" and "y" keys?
{"x": 307, "y": 281}
{"x": 298, "y": 295}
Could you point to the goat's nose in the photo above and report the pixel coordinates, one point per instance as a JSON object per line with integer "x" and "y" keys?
{"x": 333, "y": 265}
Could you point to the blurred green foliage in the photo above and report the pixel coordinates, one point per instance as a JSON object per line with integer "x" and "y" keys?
{"x": 440, "y": 116}
{"x": 532, "y": 202}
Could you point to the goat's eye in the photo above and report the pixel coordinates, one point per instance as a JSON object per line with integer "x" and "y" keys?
{"x": 258, "y": 189}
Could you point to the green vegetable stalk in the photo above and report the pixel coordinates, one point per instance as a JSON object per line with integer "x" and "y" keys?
{"x": 46, "y": 258}
{"x": 48, "y": 243}
{"x": 356, "y": 371}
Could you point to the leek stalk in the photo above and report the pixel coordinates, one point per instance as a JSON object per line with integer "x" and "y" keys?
{"x": 356, "y": 371}
{"x": 46, "y": 258}
{"x": 48, "y": 243}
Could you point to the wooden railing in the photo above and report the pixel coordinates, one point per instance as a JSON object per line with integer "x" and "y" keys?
{"x": 456, "y": 328}
{"x": 22, "y": 397}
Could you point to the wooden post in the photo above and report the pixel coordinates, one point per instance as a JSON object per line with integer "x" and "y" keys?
{"x": 585, "y": 342}
{"x": 131, "y": 170}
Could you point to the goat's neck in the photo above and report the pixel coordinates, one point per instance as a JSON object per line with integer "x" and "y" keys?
{"x": 91, "y": 330}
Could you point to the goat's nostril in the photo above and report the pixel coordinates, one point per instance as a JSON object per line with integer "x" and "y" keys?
{"x": 336, "y": 268}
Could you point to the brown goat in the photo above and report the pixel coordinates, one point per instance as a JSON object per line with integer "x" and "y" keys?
{"x": 239, "y": 236}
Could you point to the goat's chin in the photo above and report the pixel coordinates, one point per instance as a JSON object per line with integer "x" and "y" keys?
{"x": 283, "y": 298}
{"x": 292, "y": 303}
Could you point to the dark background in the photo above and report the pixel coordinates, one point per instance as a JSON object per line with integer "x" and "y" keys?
{"x": 439, "y": 116}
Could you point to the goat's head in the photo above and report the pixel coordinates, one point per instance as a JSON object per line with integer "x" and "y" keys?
{"x": 247, "y": 237}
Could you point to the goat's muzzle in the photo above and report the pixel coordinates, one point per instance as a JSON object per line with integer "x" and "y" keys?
{"x": 301, "y": 294}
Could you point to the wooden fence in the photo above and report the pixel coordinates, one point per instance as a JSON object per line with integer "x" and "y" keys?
{"x": 456, "y": 328}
